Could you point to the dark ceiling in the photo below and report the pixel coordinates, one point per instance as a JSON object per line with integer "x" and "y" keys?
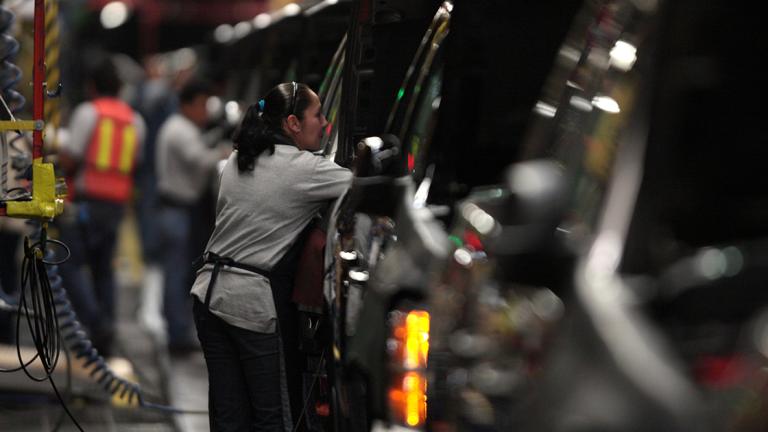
{"x": 160, "y": 25}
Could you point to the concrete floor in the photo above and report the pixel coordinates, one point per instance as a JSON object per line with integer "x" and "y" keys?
{"x": 175, "y": 381}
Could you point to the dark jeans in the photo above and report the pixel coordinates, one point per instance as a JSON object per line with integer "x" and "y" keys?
{"x": 244, "y": 391}
{"x": 174, "y": 223}
{"x": 92, "y": 239}
{"x": 146, "y": 214}
{"x": 228, "y": 354}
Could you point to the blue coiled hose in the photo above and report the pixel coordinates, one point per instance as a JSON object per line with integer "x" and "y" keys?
{"x": 10, "y": 74}
{"x": 76, "y": 338}
{"x": 77, "y": 341}
{"x": 70, "y": 329}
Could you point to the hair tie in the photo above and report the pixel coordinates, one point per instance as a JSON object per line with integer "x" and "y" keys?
{"x": 261, "y": 105}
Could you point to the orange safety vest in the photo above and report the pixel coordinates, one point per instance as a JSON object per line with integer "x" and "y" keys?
{"x": 111, "y": 155}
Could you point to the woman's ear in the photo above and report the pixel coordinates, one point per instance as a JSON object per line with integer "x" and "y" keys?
{"x": 293, "y": 123}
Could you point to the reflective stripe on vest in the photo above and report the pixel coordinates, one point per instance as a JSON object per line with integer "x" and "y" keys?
{"x": 111, "y": 154}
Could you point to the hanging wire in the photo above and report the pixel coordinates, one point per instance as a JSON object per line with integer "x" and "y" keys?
{"x": 315, "y": 378}
{"x": 37, "y": 304}
{"x": 53, "y": 326}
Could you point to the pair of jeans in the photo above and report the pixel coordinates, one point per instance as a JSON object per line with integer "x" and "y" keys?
{"x": 244, "y": 393}
{"x": 91, "y": 238}
{"x": 175, "y": 227}
{"x": 236, "y": 350}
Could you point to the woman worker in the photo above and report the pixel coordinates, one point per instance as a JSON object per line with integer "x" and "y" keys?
{"x": 271, "y": 187}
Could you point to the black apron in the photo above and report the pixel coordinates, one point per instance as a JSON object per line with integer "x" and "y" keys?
{"x": 281, "y": 279}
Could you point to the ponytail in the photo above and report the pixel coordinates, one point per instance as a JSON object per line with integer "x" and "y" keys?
{"x": 262, "y": 125}
{"x": 255, "y": 134}
{"x": 250, "y": 139}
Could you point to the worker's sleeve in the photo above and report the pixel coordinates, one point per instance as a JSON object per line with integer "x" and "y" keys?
{"x": 81, "y": 129}
{"x": 141, "y": 136}
{"x": 196, "y": 154}
{"x": 329, "y": 180}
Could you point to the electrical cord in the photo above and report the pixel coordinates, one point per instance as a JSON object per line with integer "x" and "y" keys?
{"x": 76, "y": 337}
{"x": 36, "y": 294}
{"x": 68, "y": 391}
{"x": 51, "y": 319}
{"x": 315, "y": 377}
{"x": 49, "y": 299}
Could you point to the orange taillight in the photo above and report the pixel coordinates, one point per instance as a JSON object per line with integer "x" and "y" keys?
{"x": 408, "y": 391}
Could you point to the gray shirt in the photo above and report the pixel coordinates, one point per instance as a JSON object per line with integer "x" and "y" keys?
{"x": 259, "y": 214}
{"x": 184, "y": 161}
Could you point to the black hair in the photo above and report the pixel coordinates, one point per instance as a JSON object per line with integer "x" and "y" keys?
{"x": 194, "y": 88}
{"x": 102, "y": 74}
{"x": 262, "y": 128}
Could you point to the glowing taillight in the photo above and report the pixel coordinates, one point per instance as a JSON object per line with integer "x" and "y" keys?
{"x": 409, "y": 349}
{"x": 408, "y": 399}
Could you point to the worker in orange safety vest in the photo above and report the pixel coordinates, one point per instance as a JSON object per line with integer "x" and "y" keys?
{"x": 99, "y": 159}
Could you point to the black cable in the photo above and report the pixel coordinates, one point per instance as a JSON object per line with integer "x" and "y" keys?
{"x": 309, "y": 392}
{"x": 60, "y": 420}
{"x": 76, "y": 338}
{"x": 51, "y": 318}
{"x": 63, "y": 246}
{"x": 24, "y": 194}
{"x": 20, "y": 367}
{"x": 42, "y": 322}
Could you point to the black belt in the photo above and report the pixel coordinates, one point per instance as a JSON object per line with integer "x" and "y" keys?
{"x": 218, "y": 261}
{"x": 173, "y": 202}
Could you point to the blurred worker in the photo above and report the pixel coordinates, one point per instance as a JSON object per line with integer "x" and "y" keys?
{"x": 156, "y": 100}
{"x": 271, "y": 188}
{"x": 185, "y": 163}
{"x": 99, "y": 159}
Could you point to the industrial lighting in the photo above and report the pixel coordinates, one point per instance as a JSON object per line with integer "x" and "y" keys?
{"x": 317, "y": 7}
{"x": 232, "y": 112}
{"x": 291, "y": 9}
{"x": 262, "y": 20}
{"x": 711, "y": 263}
{"x": 184, "y": 58}
{"x": 223, "y": 33}
{"x": 242, "y": 29}
{"x": 114, "y": 14}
